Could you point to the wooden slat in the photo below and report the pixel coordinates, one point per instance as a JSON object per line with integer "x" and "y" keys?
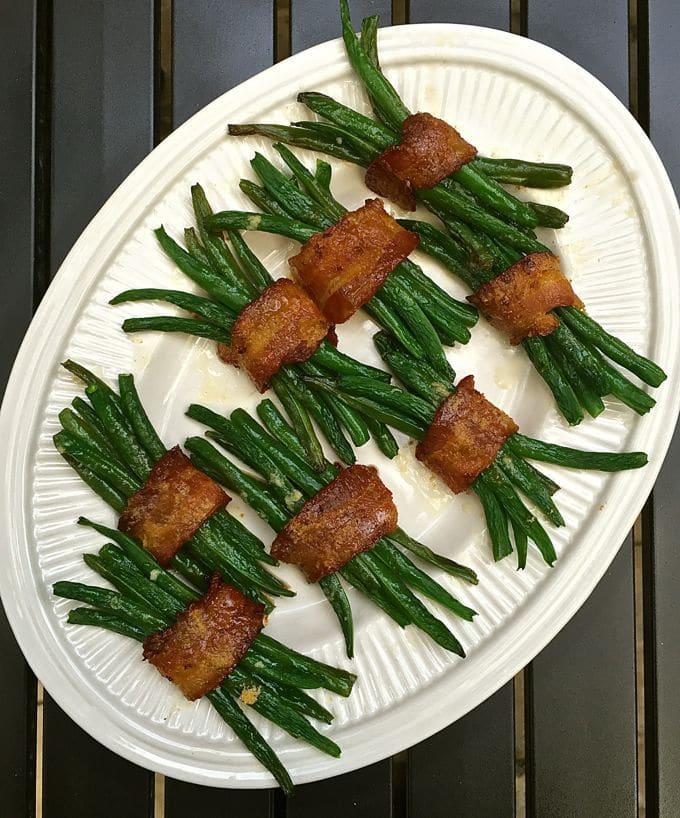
{"x": 17, "y": 43}
{"x": 582, "y": 732}
{"x": 468, "y": 770}
{"x": 595, "y": 35}
{"x": 491, "y": 13}
{"x": 581, "y": 697}
{"x": 102, "y": 126}
{"x": 216, "y": 45}
{"x": 315, "y": 21}
{"x": 662, "y": 669}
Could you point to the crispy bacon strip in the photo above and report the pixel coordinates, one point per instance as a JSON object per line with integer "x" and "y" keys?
{"x": 207, "y": 640}
{"x": 346, "y": 517}
{"x": 343, "y": 267}
{"x": 519, "y": 300}
{"x": 429, "y": 151}
{"x": 281, "y": 326}
{"x": 465, "y": 436}
{"x": 174, "y": 502}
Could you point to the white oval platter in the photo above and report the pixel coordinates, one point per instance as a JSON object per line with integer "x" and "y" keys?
{"x": 510, "y": 97}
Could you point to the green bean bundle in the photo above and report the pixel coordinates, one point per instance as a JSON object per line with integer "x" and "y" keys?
{"x": 487, "y": 230}
{"x": 385, "y": 574}
{"x": 111, "y": 443}
{"x": 500, "y": 486}
{"x": 271, "y": 678}
{"x": 232, "y": 280}
{"x": 408, "y": 304}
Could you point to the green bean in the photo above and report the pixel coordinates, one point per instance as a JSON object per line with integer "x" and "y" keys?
{"x": 90, "y": 435}
{"x": 331, "y": 678}
{"x": 452, "y": 202}
{"x": 191, "y": 569}
{"x": 231, "y": 713}
{"x": 111, "y": 601}
{"x": 122, "y": 569}
{"x": 521, "y": 474}
{"x": 209, "y": 460}
{"x": 340, "y": 145}
{"x": 144, "y": 562}
{"x": 331, "y": 209}
{"x": 213, "y": 283}
{"x": 98, "y": 484}
{"x": 138, "y": 419}
{"x": 279, "y": 428}
{"x": 103, "y": 467}
{"x": 330, "y": 358}
{"x": 187, "y": 326}
{"x": 532, "y": 449}
{"x": 521, "y": 544}
{"x": 526, "y": 174}
{"x": 89, "y": 379}
{"x": 122, "y": 580}
{"x": 300, "y": 419}
{"x": 352, "y": 421}
{"x": 549, "y": 216}
{"x": 411, "y": 406}
{"x": 264, "y": 222}
{"x": 583, "y": 389}
{"x": 235, "y": 531}
{"x": 321, "y": 413}
{"x": 418, "y": 376}
{"x": 261, "y": 198}
{"x": 219, "y": 255}
{"x": 291, "y": 696}
{"x": 211, "y": 311}
{"x": 590, "y": 331}
{"x": 409, "y": 573}
{"x": 402, "y": 596}
{"x": 496, "y": 520}
{"x": 491, "y": 194}
{"x": 251, "y": 264}
{"x": 296, "y": 203}
{"x": 335, "y": 594}
{"x": 386, "y": 317}
{"x": 428, "y": 555}
{"x": 288, "y": 719}
{"x": 195, "y": 248}
{"x": 123, "y": 440}
{"x": 109, "y": 621}
{"x": 374, "y": 409}
{"x": 547, "y": 368}
{"x": 87, "y": 413}
{"x": 363, "y": 580}
{"x": 583, "y": 358}
{"x": 383, "y": 437}
{"x": 380, "y": 89}
{"x": 351, "y": 121}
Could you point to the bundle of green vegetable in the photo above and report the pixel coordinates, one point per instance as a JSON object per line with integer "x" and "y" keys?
{"x": 111, "y": 444}
{"x": 232, "y": 281}
{"x": 409, "y": 304}
{"x": 497, "y": 487}
{"x": 487, "y": 230}
{"x": 272, "y": 678}
{"x": 384, "y": 573}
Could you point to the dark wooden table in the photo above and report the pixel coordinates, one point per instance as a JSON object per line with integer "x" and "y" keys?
{"x": 592, "y": 725}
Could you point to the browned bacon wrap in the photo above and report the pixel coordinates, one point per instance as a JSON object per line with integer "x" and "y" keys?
{"x": 429, "y": 151}
{"x": 207, "y": 640}
{"x": 346, "y": 517}
{"x": 519, "y": 300}
{"x": 343, "y": 267}
{"x": 281, "y": 326}
{"x": 464, "y": 437}
{"x": 174, "y": 502}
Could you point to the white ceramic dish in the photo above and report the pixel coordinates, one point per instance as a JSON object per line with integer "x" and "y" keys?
{"x": 509, "y": 96}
